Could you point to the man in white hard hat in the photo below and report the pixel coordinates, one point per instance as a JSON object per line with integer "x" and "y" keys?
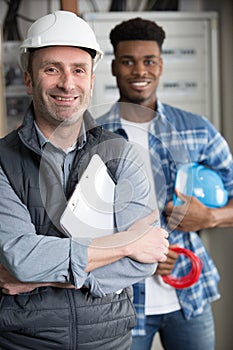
{"x": 59, "y": 292}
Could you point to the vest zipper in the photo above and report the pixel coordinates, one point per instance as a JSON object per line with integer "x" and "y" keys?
{"x": 73, "y": 325}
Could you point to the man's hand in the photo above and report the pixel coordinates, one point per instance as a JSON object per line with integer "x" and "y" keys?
{"x": 142, "y": 242}
{"x": 149, "y": 243}
{"x": 165, "y": 268}
{"x": 190, "y": 216}
{"x": 10, "y": 285}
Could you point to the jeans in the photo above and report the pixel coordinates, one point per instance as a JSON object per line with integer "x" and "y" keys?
{"x": 177, "y": 333}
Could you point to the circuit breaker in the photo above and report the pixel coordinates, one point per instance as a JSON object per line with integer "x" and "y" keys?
{"x": 16, "y": 98}
{"x": 190, "y": 78}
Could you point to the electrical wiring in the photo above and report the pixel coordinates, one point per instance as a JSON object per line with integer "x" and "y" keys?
{"x": 149, "y": 5}
{"x": 193, "y": 275}
{"x": 118, "y": 5}
{"x": 162, "y": 5}
{"x": 94, "y": 5}
{"x": 25, "y": 18}
{"x": 10, "y": 25}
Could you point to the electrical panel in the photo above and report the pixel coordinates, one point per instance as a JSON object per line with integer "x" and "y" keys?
{"x": 2, "y": 98}
{"x": 16, "y": 98}
{"x": 190, "y": 78}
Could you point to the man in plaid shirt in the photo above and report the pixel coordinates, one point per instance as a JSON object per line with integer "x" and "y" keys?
{"x": 168, "y": 137}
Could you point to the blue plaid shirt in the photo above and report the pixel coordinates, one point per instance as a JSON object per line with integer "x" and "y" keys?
{"x": 177, "y": 137}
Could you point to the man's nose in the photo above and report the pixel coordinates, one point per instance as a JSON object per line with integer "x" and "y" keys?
{"x": 139, "y": 69}
{"x": 66, "y": 81}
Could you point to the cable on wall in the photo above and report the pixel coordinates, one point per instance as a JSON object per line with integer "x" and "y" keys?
{"x": 10, "y": 24}
{"x": 162, "y": 5}
{"x": 118, "y": 5}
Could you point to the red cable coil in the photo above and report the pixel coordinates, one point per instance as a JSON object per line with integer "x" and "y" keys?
{"x": 193, "y": 275}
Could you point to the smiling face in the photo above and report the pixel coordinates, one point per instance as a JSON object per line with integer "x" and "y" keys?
{"x": 137, "y": 68}
{"x": 61, "y": 84}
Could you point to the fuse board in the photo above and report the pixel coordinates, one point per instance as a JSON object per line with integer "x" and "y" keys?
{"x": 2, "y": 93}
{"x": 16, "y": 98}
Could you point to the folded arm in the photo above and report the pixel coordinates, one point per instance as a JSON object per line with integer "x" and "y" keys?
{"x": 47, "y": 259}
{"x": 142, "y": 242}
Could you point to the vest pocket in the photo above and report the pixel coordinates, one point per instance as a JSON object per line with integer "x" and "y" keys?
{"x": 31, "y": 309}
{"x": 112, "y": 317}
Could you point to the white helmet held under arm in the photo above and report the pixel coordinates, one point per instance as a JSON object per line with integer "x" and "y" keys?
{"x": 60, "y": 28}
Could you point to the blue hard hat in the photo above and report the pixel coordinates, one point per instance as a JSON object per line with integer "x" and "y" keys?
{"x": 201, "y": 182}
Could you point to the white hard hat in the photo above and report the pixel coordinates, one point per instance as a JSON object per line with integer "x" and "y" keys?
{"x": 60, "y": 28}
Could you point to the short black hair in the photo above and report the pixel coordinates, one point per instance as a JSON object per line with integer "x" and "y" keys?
{"x": 137, "y": 29}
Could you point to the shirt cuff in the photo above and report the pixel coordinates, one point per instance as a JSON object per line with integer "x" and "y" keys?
{"x": 79, "y": 260}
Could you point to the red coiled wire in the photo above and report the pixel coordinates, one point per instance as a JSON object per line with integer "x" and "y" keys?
{"x": 193, "y": 275}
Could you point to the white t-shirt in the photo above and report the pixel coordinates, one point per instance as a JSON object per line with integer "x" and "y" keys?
{"x": 160, "y": 298}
